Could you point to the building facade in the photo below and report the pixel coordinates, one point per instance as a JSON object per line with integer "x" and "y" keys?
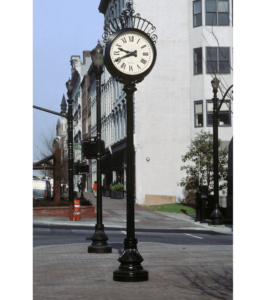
{"x": 172, "y": 104}
{"x": 78, "y": 71}
{"x": 86, "y": 126}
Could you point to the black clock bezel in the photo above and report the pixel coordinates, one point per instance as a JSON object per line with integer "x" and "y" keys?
{"x": 111, "y": 67}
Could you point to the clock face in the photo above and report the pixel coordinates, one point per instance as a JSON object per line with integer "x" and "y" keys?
{"x": 131, "y": 53}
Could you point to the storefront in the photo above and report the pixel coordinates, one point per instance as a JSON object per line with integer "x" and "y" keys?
{"x": 113, "y": 164}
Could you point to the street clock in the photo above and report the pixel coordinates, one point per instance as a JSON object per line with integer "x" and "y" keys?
{"x": 130, "y": 54}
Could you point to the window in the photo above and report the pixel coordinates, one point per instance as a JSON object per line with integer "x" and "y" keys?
{"x": 197, "y": 61}
{"x": 232, "y": 12}
{"x": 198, "y": 114}
{"x": 224, "y": 118}
{"x": 76, "y": 139}
{"x": 217, "y": 12}
{"x": 218, "y": 61}
{"x": 197, "y": 13}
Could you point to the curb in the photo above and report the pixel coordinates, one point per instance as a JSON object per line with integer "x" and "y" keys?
{"x": 77, "y": 224}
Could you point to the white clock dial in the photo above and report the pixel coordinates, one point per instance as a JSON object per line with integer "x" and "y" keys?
{"x": 131, "y": 53}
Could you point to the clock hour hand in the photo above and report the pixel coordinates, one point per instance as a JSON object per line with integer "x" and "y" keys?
{"x": 124, "y": 50}
{"x": 127, "y": 55}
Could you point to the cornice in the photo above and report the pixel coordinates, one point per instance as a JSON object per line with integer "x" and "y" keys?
{"x": 103, "y": 5}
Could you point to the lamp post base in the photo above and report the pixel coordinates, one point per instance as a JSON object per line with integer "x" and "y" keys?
{"x": 99, "y": 249}
{"x": 99, "y": 239}
{"x": 216, "y": 216}
{"x": 130, "y": 273}
{"x": 198, "y": 217}
{"x": 130, "y": 269}
{"x": 203, "y": 221}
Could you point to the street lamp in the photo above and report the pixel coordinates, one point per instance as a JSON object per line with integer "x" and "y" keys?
{"x": 70, "y": 85}
{"x": 216, "y": 215}
{"x": 99, "y": 238}
{"x": 97, "y": 56}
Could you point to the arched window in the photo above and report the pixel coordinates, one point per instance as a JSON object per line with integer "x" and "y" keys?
{"x": 110, "y": 134}
{"x": 114, "y": 129}
{"x": 118, "y": 126}
{"x": 118, "y": 7}
{"x": 115, "y": 10}
{"x": 122, "y": 123}
{"x": 125, "y": 120}
{"x": 113, "y": 93}
{"x": 114, "y": 90}
{"x": 109, "y": 106}
{"x": 107, "y": 134}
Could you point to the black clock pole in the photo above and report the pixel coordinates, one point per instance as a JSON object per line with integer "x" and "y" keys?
{"x": 130, "y": 269}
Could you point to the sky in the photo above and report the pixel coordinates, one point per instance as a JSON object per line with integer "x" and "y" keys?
{"x": 61, "y": 28}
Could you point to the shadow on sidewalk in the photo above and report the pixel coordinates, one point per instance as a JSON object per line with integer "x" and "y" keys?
{"x": 117, "y": 246}
{"x": 215, "y": 282}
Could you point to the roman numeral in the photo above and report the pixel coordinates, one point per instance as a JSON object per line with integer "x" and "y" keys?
{"x": 143, "y": 46}
{"x": 145, "y": 53}
{"x": 130, "y": 68}
{"x": 138, "y": 41}
{"x": 124, "y": 40}
{"x": 123, "y": 66}
{"x": 116, "y": 52}
{"x": 131, "y": 38}
{"x": 118, "y": 45}
{"x": 118, "y": 61}
{"x": 143, "y": 61}
{"x": 139, "y": 67}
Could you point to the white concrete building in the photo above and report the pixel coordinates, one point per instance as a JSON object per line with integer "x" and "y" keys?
{"x": 78, "y": 70}
{"x": 173, "y": 103}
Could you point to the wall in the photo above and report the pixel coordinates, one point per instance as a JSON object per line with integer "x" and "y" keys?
{"x": 63, "y": 211}
{"x": 162, "y": 103}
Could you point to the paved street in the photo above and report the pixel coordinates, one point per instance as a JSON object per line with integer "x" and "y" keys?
{"x": 57, "y": 235}
{"x": 185, "y": 259}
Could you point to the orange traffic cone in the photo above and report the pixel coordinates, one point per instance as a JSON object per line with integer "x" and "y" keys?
{"x": 77, "y": 210}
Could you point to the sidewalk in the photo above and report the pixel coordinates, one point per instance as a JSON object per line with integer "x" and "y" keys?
{"x": 183, "y": 272}
{"x": 114, "y": 215}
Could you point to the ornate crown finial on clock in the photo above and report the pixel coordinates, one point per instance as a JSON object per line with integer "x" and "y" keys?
{"x": 128, "y": 19}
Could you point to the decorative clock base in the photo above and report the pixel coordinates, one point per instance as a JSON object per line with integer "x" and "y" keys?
{"x": 130, "y": 269}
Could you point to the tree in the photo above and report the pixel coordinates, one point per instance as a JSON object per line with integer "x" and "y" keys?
{"x": 45, "y": 146}
{"x": 47, "y": 143}
{"x": 64, "y": 158}
{"x": 201, "y": 170}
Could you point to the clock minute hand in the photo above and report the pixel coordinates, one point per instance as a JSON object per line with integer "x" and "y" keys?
{"x": 127, "y": 55}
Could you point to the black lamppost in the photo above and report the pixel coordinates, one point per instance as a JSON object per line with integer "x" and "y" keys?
{"x": 82, "y": 193}
{"x": 99, "y": 238}
{"x": 216, "y": 215}
{"x": 130, "y": 269}
{"x": 70, "y": 85}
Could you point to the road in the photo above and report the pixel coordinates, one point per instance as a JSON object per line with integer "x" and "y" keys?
{"x": 44, "y": 235}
